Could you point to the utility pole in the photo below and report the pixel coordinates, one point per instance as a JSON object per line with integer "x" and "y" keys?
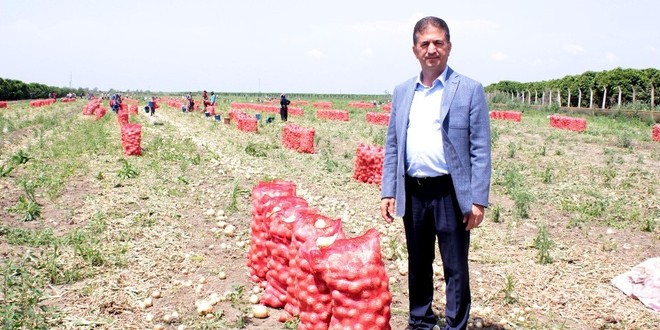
{"x": 70, "y": 79}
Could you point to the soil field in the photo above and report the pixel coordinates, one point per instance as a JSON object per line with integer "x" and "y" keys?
{"x": 90, "y": 238}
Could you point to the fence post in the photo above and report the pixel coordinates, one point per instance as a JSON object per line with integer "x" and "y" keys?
{"x": 536, "y": 97}
{"x": 559, "y": 97}
{"x": 579, "y": 97}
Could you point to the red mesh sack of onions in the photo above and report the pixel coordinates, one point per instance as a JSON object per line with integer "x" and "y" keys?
{"x": 131, "y": 136}
{"x": 312, "y": 296}
{"x": 305, "y": 293}
{"x": 279, "y": 225}
{"x": 257, "y": 253}
{"x": 267, "y": 189}
{"x": 122, "y": 117}
{"x": 89, "y": 108}
{"x": 100, "y": 112}
{"x": 354, "y": 271}
{"x": 247, "y": 123}
{"x": 369, "y": 164}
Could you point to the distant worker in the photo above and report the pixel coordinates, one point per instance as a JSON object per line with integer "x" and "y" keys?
{"x": 152, "y": 106}
{"x": 116, "y": 105}
{"x": 205, "y": 100}
{"x": 284, "y": 107}
{"x": 212, "y": 98}
{"x": 191, "y": 102}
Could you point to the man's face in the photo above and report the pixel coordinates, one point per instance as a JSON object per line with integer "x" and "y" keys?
{"x": 432, "y": 49}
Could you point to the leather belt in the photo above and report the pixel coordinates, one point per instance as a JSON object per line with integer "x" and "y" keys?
{"x": 429, "y": 180}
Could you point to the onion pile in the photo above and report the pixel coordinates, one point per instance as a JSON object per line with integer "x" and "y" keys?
{"x": 258, "y": 254}
{"x": 331, "y": 114}
{"x": 310, "y": 267}
{"x": 276, "y": 249}
{"x": 321, "y": 104}
{"x": 90, "y": 107}
{"x": 246, "y": 123}
{"x": 378, "y": 118}
{"x": 302, "y": 283}
{"x": 42, "y": 102}
{"x": 369, "y": 164}
{"x": 298, "y": 138}
{"x": 361, "y": 105}
{"x": 569, "y": 123}
{"x": 354, "y": 272}
{"x": 131, "y": 136}
{"x": 506, "y": 115}
{"x": 100, "y": 112}
{"x": 122, "y": 116}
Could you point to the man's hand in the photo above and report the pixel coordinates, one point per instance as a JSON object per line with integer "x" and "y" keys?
{"x": 473, "y": 220}
{"x": 387, "y": 209}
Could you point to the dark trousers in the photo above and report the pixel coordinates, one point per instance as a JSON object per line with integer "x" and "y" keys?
{"x": 432, "y": 211}
{"x": 284, "y": 114}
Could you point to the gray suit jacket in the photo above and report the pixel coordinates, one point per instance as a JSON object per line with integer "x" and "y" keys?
{"x": 466, "y": 141}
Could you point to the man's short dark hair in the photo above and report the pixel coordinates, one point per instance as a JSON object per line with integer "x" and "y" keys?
{"x": 423, "y": 23}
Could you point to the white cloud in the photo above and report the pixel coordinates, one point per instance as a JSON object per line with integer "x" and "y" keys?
{"x": 368, "y": 52}
{"x": 499, "y": 56}
{"x": 651, "y": 48}
{"x": 316, "y": 53}
{"x": 574, "y": 49}
{"x": 611, "y": 57}
{"x": 472, "y": 28}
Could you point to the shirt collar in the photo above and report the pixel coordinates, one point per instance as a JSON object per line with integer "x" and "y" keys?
{"x": 441, "y": 80}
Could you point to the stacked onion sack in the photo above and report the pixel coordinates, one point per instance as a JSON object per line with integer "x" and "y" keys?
{"x": 100, "y": 112}
{"x": 131, "y": 136}
{"x": 369, "y": 164}
{"x": 278, "y": 221}
{"x": 122, "y": 116}
{"x": 308, "y": 266}
{"x": 261, "y": 193}
{"x": 354, "y": 272}
{"x": 307, "y": 295}
{"x": 298, "y": 138}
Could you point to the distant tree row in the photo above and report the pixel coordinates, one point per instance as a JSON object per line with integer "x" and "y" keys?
{"x": 605, "y": 89}
{"x": 11, "y": 90}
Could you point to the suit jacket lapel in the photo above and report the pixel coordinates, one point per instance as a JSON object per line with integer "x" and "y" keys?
{"x": 405, "y": 108}
{"x": 451, "y": 85}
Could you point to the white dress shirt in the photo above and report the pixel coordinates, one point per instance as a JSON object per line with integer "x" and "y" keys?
{"x": 425, "y": 155}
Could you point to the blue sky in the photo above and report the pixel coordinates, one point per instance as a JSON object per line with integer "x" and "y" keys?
{"x": 357, "y": 47}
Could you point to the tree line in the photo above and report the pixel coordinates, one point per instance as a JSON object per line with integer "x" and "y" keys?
{"x": 628, "y": 88}
{"x": 11, "y": 90}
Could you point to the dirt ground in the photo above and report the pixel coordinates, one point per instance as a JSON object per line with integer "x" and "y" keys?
{"x": 174, "y": 243}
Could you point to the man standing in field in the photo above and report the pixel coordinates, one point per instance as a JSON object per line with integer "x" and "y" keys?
{"x": 284, "y": 107}
{"x": 436, "y": 173}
